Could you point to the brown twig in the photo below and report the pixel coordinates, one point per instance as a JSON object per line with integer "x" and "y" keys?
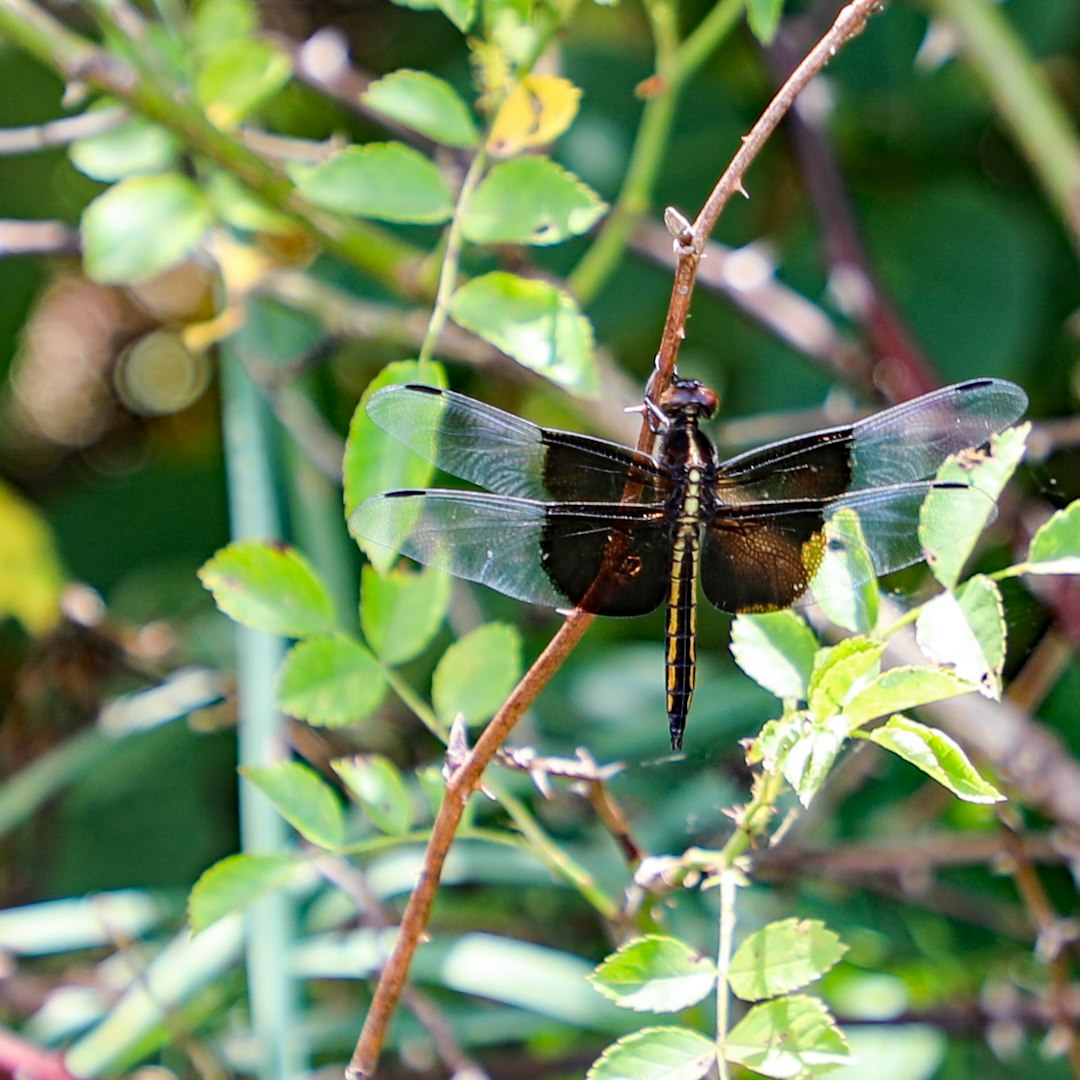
{"x": 898, "y": 369}
{"x": 462, "y": 784}
{"x": 690, "y": 240}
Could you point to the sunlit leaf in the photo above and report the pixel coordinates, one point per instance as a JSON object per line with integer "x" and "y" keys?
{"x": 460, "y": 12}
{"x": 939, "y": 756}
{"x": 842, "y": 671}
{"x": 377, "y": 784}
{"x": 538, "y": 325}
{"x": 655, "y": 974}
{"x": 142, "y": 226}
{"x": 810, "y": 757}
{"x": 236, "y": 79}
{"x": 530, "y": 200}
{"x": 952, "y": 520}
{"x": 477, "y": 673}
{"x": 385, "y": 181}
{"x": 330, "y": 681}
{"x": 966, "y": 631}
{"x": 425, "y": 104}
{"x": 656, "y": 1053}
{"x": 776, "y": 650}
{"x": 401, "y": 611}
{"x": 269, "y": 588}
{"x": 764, "y": 17}
{"x": 135, "y": 147}
{"x": 787, "y": 1037}
{"x": 845, "y": 584}
{"x": 783, "y": 956}
{"x": 235, "y": 882}
{"x": 902, "y": 688}
{"x": 303, "y": 799}
{"x": 375, "y": 461}
{"x": 1055, "y": 547}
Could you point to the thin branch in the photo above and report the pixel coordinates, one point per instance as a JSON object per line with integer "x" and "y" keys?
{"x": 899, "y": 368}
{"x": 690, "y": 242}
{"x": 382, "y": 256}
{"x": 462, "y": 784}
{"x": 37, "y": 238}
{"x": 54, "y": 133}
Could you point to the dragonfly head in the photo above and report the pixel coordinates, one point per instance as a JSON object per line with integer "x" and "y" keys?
{"x": 689, "y": 397}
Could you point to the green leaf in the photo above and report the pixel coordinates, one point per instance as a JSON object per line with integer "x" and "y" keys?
{"x": 236, "y": 205}
{"x": 782, "y": 957}
{"x": 218, "y": 24}
{"x": 841, "y": 672}
{"x": 386, "y": 181}
{"x": 788, "y": 1037}
{"x": 378, "y": 786}
{"x": 460, "y": 12}
{"x": 900, "y": 689}
{"x": 655, "y": 974}
{"x": 375, "y": 461}
{"x": 776, "y": 650}
{"x": 801, "y": 748}
{"x": 142, "y": 226}
{"x": 953, "y": 519}
{"x": 269, "y": 588}
{"x": 423, "y": 103}
{"x": 235, "y": 882}
{"x": 808, "y": 760}
{"x": 656, "y": 1053}
{"x": 847, "y": 560}
{"x": 477, "y": 673}
{"x": 937, "y": 755}
{"x": 331, "y": 681}
{"x": 966, "y": 631}
{"x": 135, "y": 147}
{"x": 401, "y": 611}
{"x": 537, "y": 324}
{"x": 763, "y": 17}
{"x": 1055, "y": 547}
{"x": 530, "y": 200}
{"x": 303, "y": 799}
{"x": 239, "y": 77}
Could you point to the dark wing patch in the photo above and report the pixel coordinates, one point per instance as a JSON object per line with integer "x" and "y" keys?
{"x": 541, "y": 554}
{"x": 900, "y": 445}
{"x": 765, "y": 556}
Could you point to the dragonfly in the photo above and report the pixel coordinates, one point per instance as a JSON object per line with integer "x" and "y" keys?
{"x": 570, "y": 521}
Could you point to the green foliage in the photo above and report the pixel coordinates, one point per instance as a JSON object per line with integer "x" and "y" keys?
{"x": 269, "y": 588}
{"x": 476, "y": 673}
{"x": 788, "y": 1037}
{"x": 235, "y": 882}
{"x": 655, "y": 974}
{"x": 330, "y": 681}
{"x": 537, "y": 324}
{"x": 385, "y": 181}
{"x": 426, "y": 105}
{"x": 141, "y": 226}
{"x": 782, "y": 957}
{"x": 303, "y": 799}
{"x": 530, "y": 200}
{"x": 378, "y": 786}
